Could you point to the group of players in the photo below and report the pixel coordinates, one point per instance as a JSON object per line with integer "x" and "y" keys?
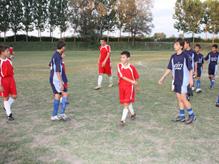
{"x": 185, "y": 64}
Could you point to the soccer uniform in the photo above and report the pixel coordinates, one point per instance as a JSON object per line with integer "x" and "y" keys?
{"x": 104, "y": 51}
{"x": 64, "y": 77}
{"x": 11, "y": 50}
{"x": 192, "y": 57}
{"x": 56, "y": 66}
{"x": 126, "y": 89}
{"x": 200, "y": 62}
{"x": 212, "y": 59}
{"x": 7, "y": 78}
{"x": 181, "y": 66}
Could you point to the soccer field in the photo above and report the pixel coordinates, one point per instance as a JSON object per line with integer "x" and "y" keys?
{"x": 93, "y": 134}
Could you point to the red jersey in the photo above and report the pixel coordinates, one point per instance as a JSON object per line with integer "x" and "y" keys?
{"x": 129, "y": 72}
{"x": 104, "y": 51}
{"x": 11, "y": 50}
{"x": 6, "y": 68}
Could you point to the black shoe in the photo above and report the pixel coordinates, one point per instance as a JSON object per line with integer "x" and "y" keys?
{"x": 179, "y": 119}
{"x": 10, "y": 117}
{"x": 133, "y": 117}
{"x": 191, "y": 119}
{"x": 122, "y": 123}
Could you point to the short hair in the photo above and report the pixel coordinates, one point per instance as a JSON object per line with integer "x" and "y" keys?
{"x": 3, "y": 48}
{"x": 61, "y": 44}
{"x": 214, "y": 46}
{"x": 126, "y": 53}
{"x": 198, "y": 45}
{"x": 180, "y": 41}
{"x": 187, "y": 41}
{"x": 104, "y": 39}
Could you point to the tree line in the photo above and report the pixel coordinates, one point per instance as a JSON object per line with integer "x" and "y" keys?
{"x": 197, "y": 16}
{"x": 88, "y": 19}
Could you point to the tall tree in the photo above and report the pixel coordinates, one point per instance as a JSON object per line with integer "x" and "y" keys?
{"x": 4, "y": 17}
{"x": 28, "y": 16}
{"x": 40, "y": 15}
{"x": 16, "y": 16}
{"x": 52, "y": 16}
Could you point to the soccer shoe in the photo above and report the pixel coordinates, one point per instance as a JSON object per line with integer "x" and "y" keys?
{"x": 97, "y": 87}
{"x": 179, "y": 119}
{"x": 63, "y": 117}
{"x": 110, "y": 85}
{"x": 198, "y": 90}
{"x": 122, "y": 123}
{"x": 55, "y": 118}
{"x": 217, "y": 104}
{"x": 191, "y": 119}
{"x": 193, "y": 88}
{"x": 10, "y": 117}
{"x": 133, "y": 117}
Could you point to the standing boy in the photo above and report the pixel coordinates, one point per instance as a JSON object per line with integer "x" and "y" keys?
{"x": 182, "y": 72}
{"x": 104, "y": 64}
{"x": 128, "y": 82}
{"x": 200, "y": 62}
{"x": 212, "y": 59}
{"x": 7, "y": 82}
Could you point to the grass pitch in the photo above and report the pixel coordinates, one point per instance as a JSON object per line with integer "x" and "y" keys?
{"x": 93, "y": 134}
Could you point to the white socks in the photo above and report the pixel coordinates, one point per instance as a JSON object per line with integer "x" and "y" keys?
{"x": 100, "y": 79}
{"x": 131, "y": 110}
{"x": 124, "y": 114}
{"x": 11, "y": 100}
{"x": 7, "y": 107}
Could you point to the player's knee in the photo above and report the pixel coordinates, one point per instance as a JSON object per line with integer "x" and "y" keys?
{"x": 14, "y": 96}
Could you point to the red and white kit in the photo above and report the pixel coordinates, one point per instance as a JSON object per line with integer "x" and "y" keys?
{"x": 104, "y": 51}
{"x": 7, "y": 78}
{"x": 126, "y": 89}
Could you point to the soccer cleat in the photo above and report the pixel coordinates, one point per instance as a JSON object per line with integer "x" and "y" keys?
{"x": 193, "y": 88}
{"x": 133, "y": 117}
{"x": 55, "y": 118}
{"x": 97, "y": 87}
{"x": 191, "y": 119}
{"x": 179, "y": 119}
{"x": 122, "y": 123}
{"x": 110, "y": 85}
{"x": 217, "y": 104}
{"x": 198, "y": 90}
{"x": 63, "y": 117}
{"x": 10, "y": 117}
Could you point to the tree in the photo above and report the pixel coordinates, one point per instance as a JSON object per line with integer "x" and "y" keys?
{"x": 159, "y": 36}
{"x": 15, "y": 16}
{"x": 40, "y": 15}
{"x": 28, "y": 16}
{"x": 4, "y": 17}
{"x": 52, "y": 16}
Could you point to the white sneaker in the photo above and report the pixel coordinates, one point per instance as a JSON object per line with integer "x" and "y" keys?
{"x": 198, "y": 90}
{"x": 193, "y": 88}
{"x": 97, "y": 87}
{"x": 110, "y": 85}
{"x": 63, "y": 117}
{"x": 55, "y": 118}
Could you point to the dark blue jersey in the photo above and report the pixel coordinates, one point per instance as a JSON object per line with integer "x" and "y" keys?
{"x": 55, "y": 66}
{"x": 212, "y": 59}
{"x": 200, "y": 60}
{"x": 192, "y": 57}
{"x": 180, "y": 66}
{"x": 64, "y": 76}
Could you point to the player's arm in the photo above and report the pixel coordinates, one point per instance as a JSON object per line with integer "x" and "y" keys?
{"x": 134, "y": 82}
{"x": 58, "y": 72}
{"x": 191, "y": 81}
{"x": 166, "y": 73}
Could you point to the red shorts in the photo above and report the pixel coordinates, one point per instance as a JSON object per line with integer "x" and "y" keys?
{"x": 126, "y": 94}
{"x": 9, "y": 86}
{"x": 106, "y": 69}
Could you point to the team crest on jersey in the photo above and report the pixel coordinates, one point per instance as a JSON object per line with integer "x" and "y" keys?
{"x": 178, "y": 66}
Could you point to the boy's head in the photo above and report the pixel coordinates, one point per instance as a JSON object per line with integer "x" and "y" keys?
{"x": 103, "y": 41}
{"x": 187, "y": 44}
{"x": 214, "y": 48}
{"x": 197, "y": 48}
{"x": 61, "y": 46}
{"x": 4, "y": 51}
{"x": 125, "y": 56}
{"x": 179, "y": 44}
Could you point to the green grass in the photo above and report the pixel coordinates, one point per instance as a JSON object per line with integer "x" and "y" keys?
{"x": 93, "y": 134}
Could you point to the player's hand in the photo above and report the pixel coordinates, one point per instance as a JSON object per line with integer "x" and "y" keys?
{"x": 191, "y": 83}
{"x": 161, "y": 81}
{"x": 103, "y": 64}
{"x": 1, "y": 89}
{"x": 61, "y": 86}
{"x": 135, "y": 83}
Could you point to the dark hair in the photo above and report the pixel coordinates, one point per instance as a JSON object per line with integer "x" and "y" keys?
{"x": 215, "y": 46}
{"x": 61, "y": 44}
{"x": 104, "y": 39}
{"x": 198, "y": 45}
{"x": 180, "y": 41}
{"x": 126, "y": 53}
{"x": 187, "y": 41}
{"x": 3, "y": 48}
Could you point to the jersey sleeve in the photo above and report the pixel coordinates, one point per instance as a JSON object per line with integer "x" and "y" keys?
{"x": 120, "y": 75}
{"x": 188, "y": 63}
{"x": 170, "y": 65}
{"x": 207, "y": 57}
{"x": 58, "y": 63}
{"x": 108, "y": 49}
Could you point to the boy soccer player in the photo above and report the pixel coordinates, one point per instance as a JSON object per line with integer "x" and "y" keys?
{"x": 128, "y": 77}
{"x": 182, "y": 72}
{"x": 200, "y": 62}
{"x": 212, "y": 59}
{"x": 11, "y": 51}
{"x": 57, "y": 81}
{"x": 7, "y": 82}
{"x": 104, "y": 64}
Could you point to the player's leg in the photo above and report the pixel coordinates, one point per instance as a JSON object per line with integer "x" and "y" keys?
{"x": 64, "y": 103}
{"x": 100, "y": 77}
{"x": 56, "y": 100}
{"x": 124, "y": 113}
{"x": 13, "y": 92}
{"x": 181, "y": 114}
{"x": 131, "y": 94}
{"x": 108, "y": 71}
{"x": 124, "y": 103}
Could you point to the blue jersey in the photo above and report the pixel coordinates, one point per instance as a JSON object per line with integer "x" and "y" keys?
{"x": 64, "y": 76}
{"x": 200, "y": 60}
{"x": 180, "y": 66}
{"x": 192, "y": 57}
{"x": 212, "y": 59}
